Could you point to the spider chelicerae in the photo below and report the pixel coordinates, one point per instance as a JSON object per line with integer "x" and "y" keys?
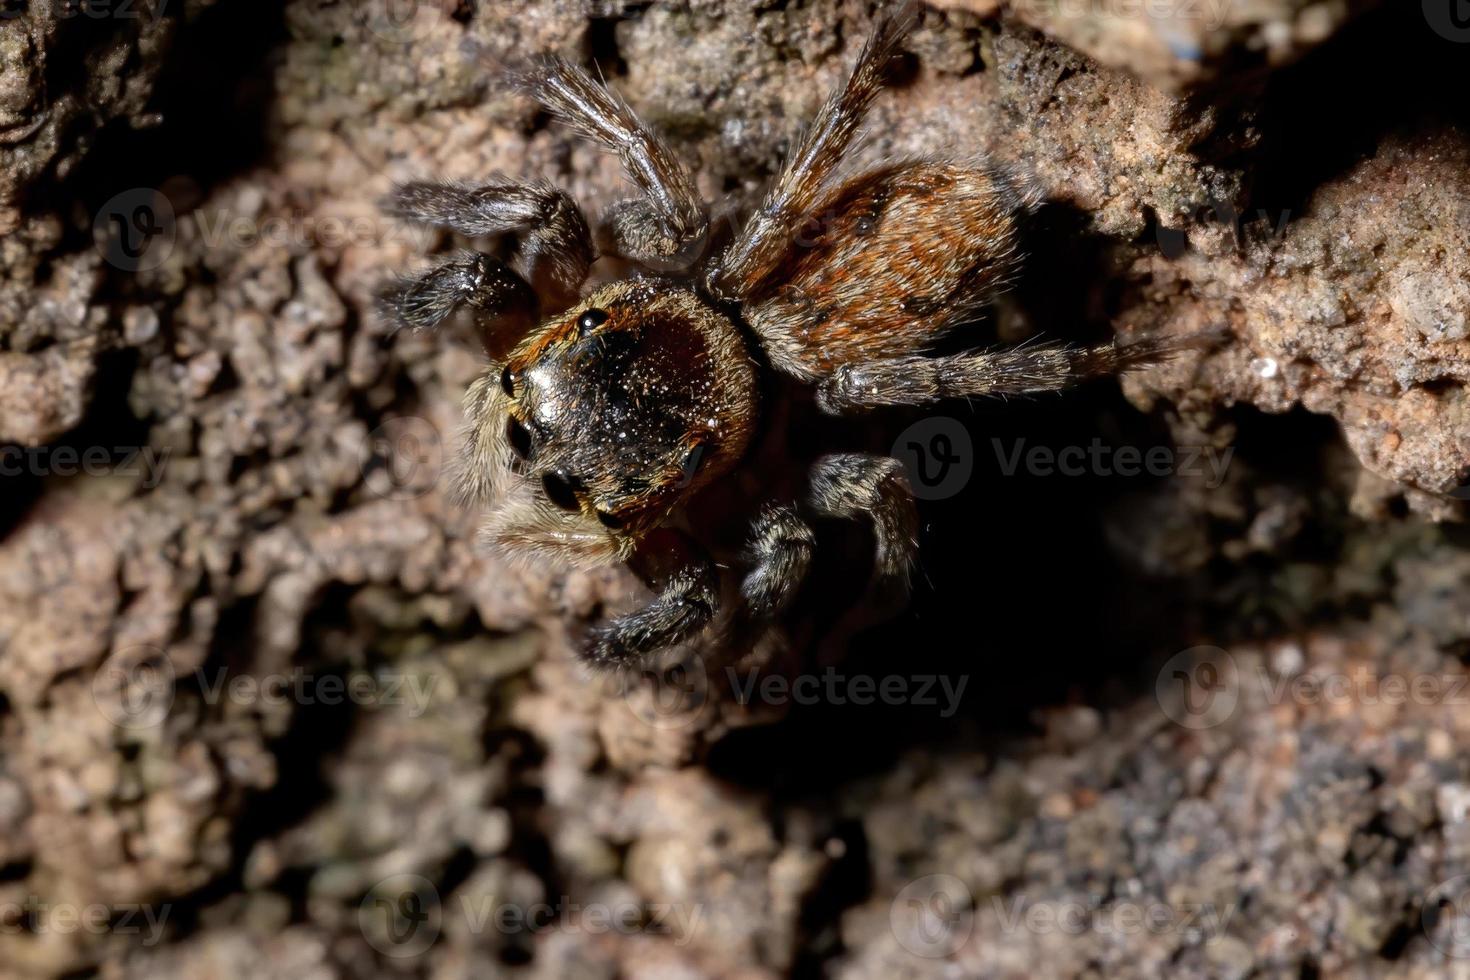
{"x": 603, "y": 416}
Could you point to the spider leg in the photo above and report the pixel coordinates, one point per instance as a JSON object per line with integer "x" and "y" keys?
{"x": 780, "y": 553}
{"x": 920, "y": 380}
{"x": 685, "y": 604}
{"x": 860, "y": 486}
{"x": 767, "y": 238}
{"x": 554, "y": 238}
{"x": 503, "y": 305}
{"x": 671, "y": 216}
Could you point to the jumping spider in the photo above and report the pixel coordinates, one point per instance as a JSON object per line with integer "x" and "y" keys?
{"x": 593, "y": 429}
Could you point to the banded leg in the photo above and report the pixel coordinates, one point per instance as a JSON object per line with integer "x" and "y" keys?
{"x": 554, "y": 239}
{"x": 685, "y": 604}
{"x": 767, "y": 238}
{"x": 780, "y": 555}
{"x": 920, "y": 380}
{"x": 671, "y": 216}
{"x": 859, "y": 486}
{"x": 504, "y": 305}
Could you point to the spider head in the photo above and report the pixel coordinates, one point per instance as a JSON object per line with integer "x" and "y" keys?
{"x": 612, "y": 414}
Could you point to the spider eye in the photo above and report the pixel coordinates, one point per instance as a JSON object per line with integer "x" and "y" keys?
{"x": 591, "y": 320}
{"x": 610, "y": 521}
{"x": 519, "y": 437}
{"x": 508, "y": 379}
{"x": 560, "y": 490}
{"x": 691, "y": 462}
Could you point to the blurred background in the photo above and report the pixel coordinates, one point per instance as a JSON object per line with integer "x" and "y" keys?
{"x": 1183, "y": 687}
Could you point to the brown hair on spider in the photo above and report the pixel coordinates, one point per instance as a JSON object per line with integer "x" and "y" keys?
{"x": 595, "y": 425}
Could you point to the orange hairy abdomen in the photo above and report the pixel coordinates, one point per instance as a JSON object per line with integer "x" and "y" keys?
{"x": 885, "y": 265}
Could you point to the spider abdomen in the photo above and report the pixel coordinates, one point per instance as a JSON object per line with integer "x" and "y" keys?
{"x": 887, "y": 263}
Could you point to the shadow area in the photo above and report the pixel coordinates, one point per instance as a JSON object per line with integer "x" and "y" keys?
{"x": 1036, "y": 587}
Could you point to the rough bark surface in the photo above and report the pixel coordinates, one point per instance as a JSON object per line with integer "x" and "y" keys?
{"x": 255, "y": 676}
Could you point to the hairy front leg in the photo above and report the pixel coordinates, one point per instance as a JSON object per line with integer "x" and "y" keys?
{"x": 554, "y": 239}
{"x": 671, "y": 216}
{"x": 685, "y": 604}
{"x": 863, "y": 487}
{"x": 921, "y": 380}
{"x": 768, "y": 237}
{"x": 503, "y": 304}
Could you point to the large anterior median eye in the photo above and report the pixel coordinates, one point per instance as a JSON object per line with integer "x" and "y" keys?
{"x": 590, "y": 321}
{"x": 560, "y": 490}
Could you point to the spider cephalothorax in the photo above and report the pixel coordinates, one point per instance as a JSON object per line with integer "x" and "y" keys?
{"x": 592, "y": 430}
{"x": 613, "y": 412}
